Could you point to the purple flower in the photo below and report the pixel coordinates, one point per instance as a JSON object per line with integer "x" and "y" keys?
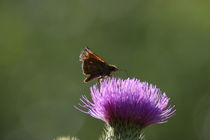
{"x": 130, "y": 101}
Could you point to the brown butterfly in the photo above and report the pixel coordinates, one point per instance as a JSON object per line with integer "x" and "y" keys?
{"x": 94, "y": 67}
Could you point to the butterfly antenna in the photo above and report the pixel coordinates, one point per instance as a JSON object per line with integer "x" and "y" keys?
{"x": 125, "y": 72}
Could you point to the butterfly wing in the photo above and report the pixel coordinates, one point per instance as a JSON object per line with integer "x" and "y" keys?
{"x": 92, "y": 65}
{"x": 87, "y": 54}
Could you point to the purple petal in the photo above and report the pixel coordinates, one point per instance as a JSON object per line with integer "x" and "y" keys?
{"x": 128, "y": 100}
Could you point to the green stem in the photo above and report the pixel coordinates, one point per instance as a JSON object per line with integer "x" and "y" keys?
{"x": 122, "y": 131}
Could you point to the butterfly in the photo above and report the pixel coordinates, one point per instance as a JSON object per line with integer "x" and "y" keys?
{"x": 94, "y": 67}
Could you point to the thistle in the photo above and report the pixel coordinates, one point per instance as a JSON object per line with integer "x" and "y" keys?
{"x": 127, "y": 106}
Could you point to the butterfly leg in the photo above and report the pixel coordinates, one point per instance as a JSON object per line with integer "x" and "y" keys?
{"x": 99, "y": 80}
{"x": 99, "y": 83}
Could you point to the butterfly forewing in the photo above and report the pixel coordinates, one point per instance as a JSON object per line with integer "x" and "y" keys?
{"x": 87, "y": 54}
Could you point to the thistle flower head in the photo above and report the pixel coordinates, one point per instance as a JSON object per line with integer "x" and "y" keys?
{"x": 129, "y": 101}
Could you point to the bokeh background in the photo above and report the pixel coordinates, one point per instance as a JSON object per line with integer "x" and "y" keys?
{"x": 164, "y": 42}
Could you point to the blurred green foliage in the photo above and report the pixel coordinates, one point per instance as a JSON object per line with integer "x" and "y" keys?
{"x": 163, "y": 42}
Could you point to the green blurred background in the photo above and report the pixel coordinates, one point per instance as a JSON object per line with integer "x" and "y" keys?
{"x": 164, "y": 42}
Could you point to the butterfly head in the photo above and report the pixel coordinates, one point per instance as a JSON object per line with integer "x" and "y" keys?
{"x": 113, "y": 68}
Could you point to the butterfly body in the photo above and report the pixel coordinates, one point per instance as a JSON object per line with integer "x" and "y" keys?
{"x": 94, "y": 67}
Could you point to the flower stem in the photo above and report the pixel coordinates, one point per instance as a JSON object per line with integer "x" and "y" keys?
{"x": 122, "y": 131}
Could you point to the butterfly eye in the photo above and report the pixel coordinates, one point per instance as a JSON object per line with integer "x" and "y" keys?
{"x": 113, "y": 68}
